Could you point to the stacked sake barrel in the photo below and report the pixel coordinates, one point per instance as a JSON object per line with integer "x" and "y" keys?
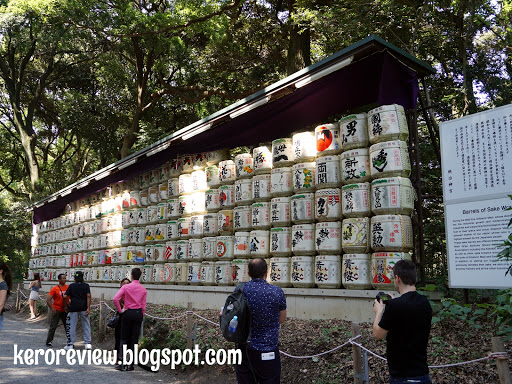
{"x": 314, "y": 204}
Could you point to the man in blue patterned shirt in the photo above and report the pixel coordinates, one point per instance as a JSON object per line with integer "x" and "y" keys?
{"x": 261, "y": 362}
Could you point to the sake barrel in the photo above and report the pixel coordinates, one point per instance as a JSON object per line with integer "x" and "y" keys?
{"x": 261, "y": 187}
{"x": 169, "y": 276}
{"x": 225, "y": 222}
{"x": 303, "y": 239}
{"x": 131, "y": 253}
{"x": 354, "y": 131}
{"x": 161, "y": 232}
{"x": 327, "y": 174}
{"x": 225, "y": 247}
{"x": 175, "y": 168}
{"x": 172, "y": 230}
{"x": 185, "y": 207}
{"x": 328, "y": 238}
{"x": 328, "y": 204}
{"x": 182, "y": 249}
{"x": 280, "y": 272}
{"x": 209, "y": 248}
{"x": 392, "y": 195}
{"x": 163, "y": 172}
{"x": 157, "y": 273}
{"x": 184, "y": 227}
{"x": 391, "y": 233}
{"x": 207, "y": 276}
{"x": 304, "y": 146}
{"x": 139, "y": 254}
{"x": 193, "y": 275}
{"x": 162, "y": 190}
{"x": 144, "y": 197}
{"x": 210, "y": 223}
{"x": 154, "y": 194}
{"x": 382, "y": 269}
{"x": 185, "y": 184}
{"x": 356, "y": 271}
{"x": 187, "y": 163}
{"x": 355, "y": 200}
{"x": 212, "y": 176}
{"x": 241, "y": 245}
{"x": 304, "y": 177}
{"x": 181, "y": 273}
{"x": 281, "y": 181}
{"x": 159, "y": 253}
{"x": 170, "y": 251}
{"x": 196, "y": 226}
{"x": 195, "y": 251}
{"x": 126, "y": 204}
{"x": 259, "y": 243}
{"x": 240, "y": 271}
{"x": 150, "y": 233}
{"x": 227, "y": 172}
{"x": 243, "y": 192}
{"x": 328, "y": 140}
{"x": 134, "y": 199}
{"x": 355, "y": 166}
{"x": 302, "y": 208}
{"x": 149, "y": 253}
{"x": 152, "y": 214}
{"x": 199, "y": 181}
{"x": 328, "y": 271}
{"x": 223, "y": 275}
{"x": 302, "y": 271}
{"x": 244, "y": 165}
{"x": 211, "y": 200}
{"x": 260, "y": 215}
{"x": 200, "y": 161}
{"x": 281, "y": 241}
{"x": 215, "y": 157}
{"x": 139, "y": 235}
{"x": 227, "y": 196}
{"x": 355, "y": 235}
{"x": 280, "y": 211}
{"x": 123, "y": 258}
{"x": 262, "y": 158}
{"x": 386, "y": 123}
{"x": 389, "y": 159}
{"x": 161, "y": 212}
{"x": 154, "y": 176}
{"x": 173, "y": 208}
{"x": 242, "y": 218}
{"x": 282, "y": 152}
{"x": 173, "y": 188}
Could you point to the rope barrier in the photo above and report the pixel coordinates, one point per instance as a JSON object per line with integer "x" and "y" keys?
{"x": 493, "y": 355}
{"x": 370, "y": 352}
{"x": 166, "y": 318}
{"x": 205, "y": 319}
{"x": 320, "y": 354}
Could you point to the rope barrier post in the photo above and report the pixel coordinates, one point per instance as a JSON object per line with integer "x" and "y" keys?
{"x": 501, "y": 363}
{"x": 190, "y": 326}
{"x": 18, "y": 299}
{"x": 142, "y": 329}
{"x": 101, "y": 335}
{"x": 356, "y": 356}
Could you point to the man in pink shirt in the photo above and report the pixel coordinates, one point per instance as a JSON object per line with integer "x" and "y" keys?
{"x": 134, "y": 296}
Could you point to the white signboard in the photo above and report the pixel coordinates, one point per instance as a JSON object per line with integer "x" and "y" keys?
{"x": 477, "y": 177}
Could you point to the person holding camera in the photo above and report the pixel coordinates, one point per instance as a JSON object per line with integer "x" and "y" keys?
{"x": 405, "y": 322}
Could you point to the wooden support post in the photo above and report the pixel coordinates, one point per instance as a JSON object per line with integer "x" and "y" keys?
{"x": 356, "y": 356}
{"x": 190, "y": 326}
{"x": 501, "y": 363}
{"x": 101, "y": 335}
{"x": 18, "y": 298}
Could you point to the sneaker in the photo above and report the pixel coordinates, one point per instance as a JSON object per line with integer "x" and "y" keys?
{"x": 49, "y": 344}
{"x": 68, "y": 347}
{"x": 88, "y": 346}
{"x": 119, "y": 367}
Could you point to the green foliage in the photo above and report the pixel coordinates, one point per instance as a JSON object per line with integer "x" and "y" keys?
{"x": 506, "y": 252}
{"x": 502, "y": 313}
{"x": 451, "y": 310}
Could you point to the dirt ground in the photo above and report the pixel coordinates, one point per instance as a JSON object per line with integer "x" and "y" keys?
{"x": 450, "y": 342}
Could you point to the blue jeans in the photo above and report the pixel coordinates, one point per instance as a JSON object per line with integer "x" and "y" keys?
{"x": 410, "y": 380}
{"x": 1, "y": 322}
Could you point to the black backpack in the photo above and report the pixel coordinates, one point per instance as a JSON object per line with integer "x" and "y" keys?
{"x": 236, "y": 305}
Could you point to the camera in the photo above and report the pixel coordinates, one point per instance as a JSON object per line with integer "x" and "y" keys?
{"x": 383, "y": 297}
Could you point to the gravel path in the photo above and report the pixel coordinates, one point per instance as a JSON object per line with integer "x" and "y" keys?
{"x": 25, "y": 334}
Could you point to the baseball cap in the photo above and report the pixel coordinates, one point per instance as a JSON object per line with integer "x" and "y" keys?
{"x": 79, "y": 274}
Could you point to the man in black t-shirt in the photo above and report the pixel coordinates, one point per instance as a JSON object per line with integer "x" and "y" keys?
{"x": 79, "y": 305}
{"x": 405, "y": 322}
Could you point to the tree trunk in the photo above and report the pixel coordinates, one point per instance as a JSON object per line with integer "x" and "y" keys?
{"x": 462, "y": 43}
{"x": 299, "y": 50}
